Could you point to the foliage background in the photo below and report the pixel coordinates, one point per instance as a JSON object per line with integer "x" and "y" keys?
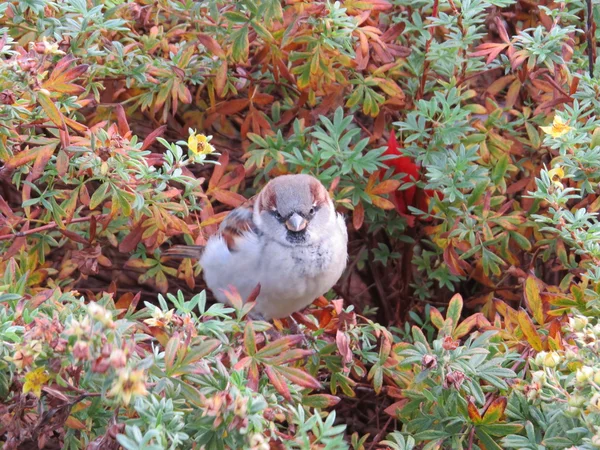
{"x": 460, "y": 139}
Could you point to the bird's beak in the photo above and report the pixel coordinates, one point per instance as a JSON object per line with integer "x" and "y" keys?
{"x": 296, "y": 223}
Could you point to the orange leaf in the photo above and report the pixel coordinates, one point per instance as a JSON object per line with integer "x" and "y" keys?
{"x": 232, "y": 106}
{"x": 65, "y": 88}
{"x": 44, "y": 154}
{"x": 221, "y": 79}
{"x": 495, "y": 411}
{"x": 74, "y": 423}
{"x": 473, "y": 412}
{"x": 534, "y": 300}
{"x": 51, "y": 110}
{"x": 381, "y": 202}
{"x": 529, "y": 331}
{"x": 469, "y": 323}
{"x": 75, "y": 125}
{"x": 385, "y": 187}
{"x": 394, "y": 409}
{"x": 229, "y": 198}
{"x": 212, "y": 45}
{"x": 253, "y": 376}
{"x": 436, "y": 318}
{"x": 218, "y": 171}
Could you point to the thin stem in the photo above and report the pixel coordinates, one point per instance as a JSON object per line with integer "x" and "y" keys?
{"x": 590, "y": 34}
{"x": 426, "y": 63}
{"x": 48, "y": 226}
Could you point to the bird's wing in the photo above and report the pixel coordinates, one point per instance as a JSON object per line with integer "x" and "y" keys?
{"x": 237, "y": 225}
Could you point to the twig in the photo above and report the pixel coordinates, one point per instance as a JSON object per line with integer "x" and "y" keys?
{"x": 590, "y": 31}
{"x": 426, "y": 64}
{"x": 377, "y": 437}
{"x": 378, "y": 285}
{"x": 471, "y": 438}
{"x": 48, "y": 226}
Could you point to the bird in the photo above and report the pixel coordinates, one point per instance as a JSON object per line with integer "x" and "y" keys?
{"x": 288, "y": 239}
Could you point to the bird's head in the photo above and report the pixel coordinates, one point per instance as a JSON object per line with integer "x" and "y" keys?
{"x": 294, "y": 210}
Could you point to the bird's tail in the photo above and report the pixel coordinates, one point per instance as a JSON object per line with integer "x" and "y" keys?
{"x": 184, "y": 251}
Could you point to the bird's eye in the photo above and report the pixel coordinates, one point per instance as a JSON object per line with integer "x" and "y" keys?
{"x": 276, "y": 214}
{"x": 312, "y": 211}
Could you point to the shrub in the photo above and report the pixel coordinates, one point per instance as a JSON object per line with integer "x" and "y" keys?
{"x": 459, "y": 137}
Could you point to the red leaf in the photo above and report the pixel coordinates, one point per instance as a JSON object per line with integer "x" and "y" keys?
{"x": 122, "y": 120}
{"x": 299, "y": 377}
{"x": 343, "y": 344}
{"x": 212, "y": 45}
{"x": 152, "y": 136}
{"x": 358, "y": 216}
{"x": 278, "y": 383}
{"x": 232, "y": 106}
{"x": 401, "y": 164}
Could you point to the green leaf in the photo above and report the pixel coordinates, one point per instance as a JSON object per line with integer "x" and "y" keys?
{"x": 171, "y": 352}
{"x": 236, "y": 17}
{"x": 99, "y": 195}
{"x": 249, "y": 339}
{"x": 487, "y": 440}
{"x": 320, "y": 401}
{"x": 239, "y": 50}
{"x": 499, "y": 170}
{"x": 454, "y": 309}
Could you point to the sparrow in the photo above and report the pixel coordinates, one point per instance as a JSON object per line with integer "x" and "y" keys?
{"x": 288, "y": 238}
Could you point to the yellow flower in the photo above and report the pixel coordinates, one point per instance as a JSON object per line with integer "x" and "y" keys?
{"x": 128, "y": 384}
{"x": 556, "y": 175}
{"x": 199, "y": 144}
{"x": 160, "y": 319}
{"x": 34, "y": 381}
{"x": 558, "y": 128}
{"x": 51, "y": 49}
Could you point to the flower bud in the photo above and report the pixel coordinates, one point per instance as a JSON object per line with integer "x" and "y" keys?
{"x": 576, "y": 401}
{"x": 570, "y": 355}
{"x": 532, "y": 391}
{"x": 539, "y": 377}
{"x": 449, "y": 344}
{"x": 81, "y": 350}
{"x": 539, "y": 358}
{"x": 118, "y": 358}
{"x": 578, "y": 323}
{"x": 428, "y": 362}
{"x": 454, "y": 379}
{"x": 100, "y": 314}
{"x": 551, "y": 360}
{"x": 7, "y": 97}
{"x": 584, "y": 374}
